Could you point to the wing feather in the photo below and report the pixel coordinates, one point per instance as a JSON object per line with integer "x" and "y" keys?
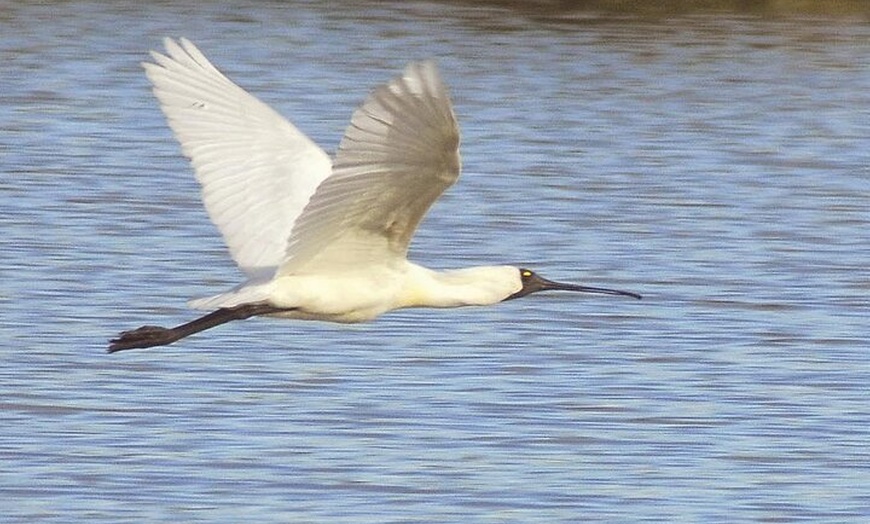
{"x": 257, "y": 171}
{"x": 398, "y": 155}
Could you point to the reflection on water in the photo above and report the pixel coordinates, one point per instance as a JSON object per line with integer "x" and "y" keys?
{"x": 716, "y": 163}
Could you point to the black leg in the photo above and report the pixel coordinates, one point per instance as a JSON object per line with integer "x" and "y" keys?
{"x": 149, "y": 336}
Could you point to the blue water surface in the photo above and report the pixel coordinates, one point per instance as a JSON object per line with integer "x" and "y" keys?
{"x": 716, "y": 162}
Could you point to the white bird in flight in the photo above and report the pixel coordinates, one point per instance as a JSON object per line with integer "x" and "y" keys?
{"x": 320, "y": 239}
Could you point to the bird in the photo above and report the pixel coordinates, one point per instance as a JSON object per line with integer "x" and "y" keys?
{"x": 320, "y": 238}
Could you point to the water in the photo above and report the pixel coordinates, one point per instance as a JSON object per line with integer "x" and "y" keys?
{"x": 715, "y": 162}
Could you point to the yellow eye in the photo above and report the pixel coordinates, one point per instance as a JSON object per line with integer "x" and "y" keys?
{"x": 527, "y": 273}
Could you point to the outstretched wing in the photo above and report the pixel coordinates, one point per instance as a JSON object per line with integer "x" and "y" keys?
{"x": 256, "y": 169}
{"x": 400, "y": 152}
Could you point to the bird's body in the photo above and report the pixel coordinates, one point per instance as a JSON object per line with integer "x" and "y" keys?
{"x": 364, "y": 294}
{"x": 321, "y": 239}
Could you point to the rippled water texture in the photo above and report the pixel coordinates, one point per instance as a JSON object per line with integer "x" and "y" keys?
{"x": 716, "y": 162}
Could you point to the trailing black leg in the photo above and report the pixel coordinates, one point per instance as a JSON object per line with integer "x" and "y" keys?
{"x": 149, "y": 336}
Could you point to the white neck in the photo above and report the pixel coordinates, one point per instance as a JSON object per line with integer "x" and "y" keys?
{"x": 475, "y": 286}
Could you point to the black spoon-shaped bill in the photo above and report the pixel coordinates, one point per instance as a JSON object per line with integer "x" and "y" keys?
{"x": 532, "y": 283}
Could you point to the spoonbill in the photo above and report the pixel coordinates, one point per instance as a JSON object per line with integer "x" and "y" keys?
{"x": 320, "y": 239}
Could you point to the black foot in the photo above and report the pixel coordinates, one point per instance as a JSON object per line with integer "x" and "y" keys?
{"x": 149, "y": 336}
{"x": 144, "y": 337}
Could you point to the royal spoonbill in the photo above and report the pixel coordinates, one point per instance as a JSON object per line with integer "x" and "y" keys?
{"x": 320, "y": 239}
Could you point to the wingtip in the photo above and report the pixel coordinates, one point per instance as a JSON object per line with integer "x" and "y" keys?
{"x": 169, "y": 44}
{"x": 423, "y": 76}
{"x": 180, "y": 48}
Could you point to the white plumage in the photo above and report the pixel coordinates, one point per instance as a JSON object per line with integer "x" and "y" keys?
{"x": 256, "y": 169}
{"x": 320, "y": 240}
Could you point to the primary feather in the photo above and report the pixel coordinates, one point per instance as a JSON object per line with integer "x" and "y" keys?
{"x": 399, "y": 153}
{"x": 256, "y": 169}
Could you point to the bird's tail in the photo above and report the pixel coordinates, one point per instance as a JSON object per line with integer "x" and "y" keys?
{"x": 247, "y": 293}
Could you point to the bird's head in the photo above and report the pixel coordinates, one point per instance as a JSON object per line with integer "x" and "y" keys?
{"x": 483, "y": 285}
{"x": 531, "y": 282}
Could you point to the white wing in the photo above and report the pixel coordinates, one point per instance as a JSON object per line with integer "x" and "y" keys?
{"x": 400, "y": 152}
{"x": 256, "y": 169}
